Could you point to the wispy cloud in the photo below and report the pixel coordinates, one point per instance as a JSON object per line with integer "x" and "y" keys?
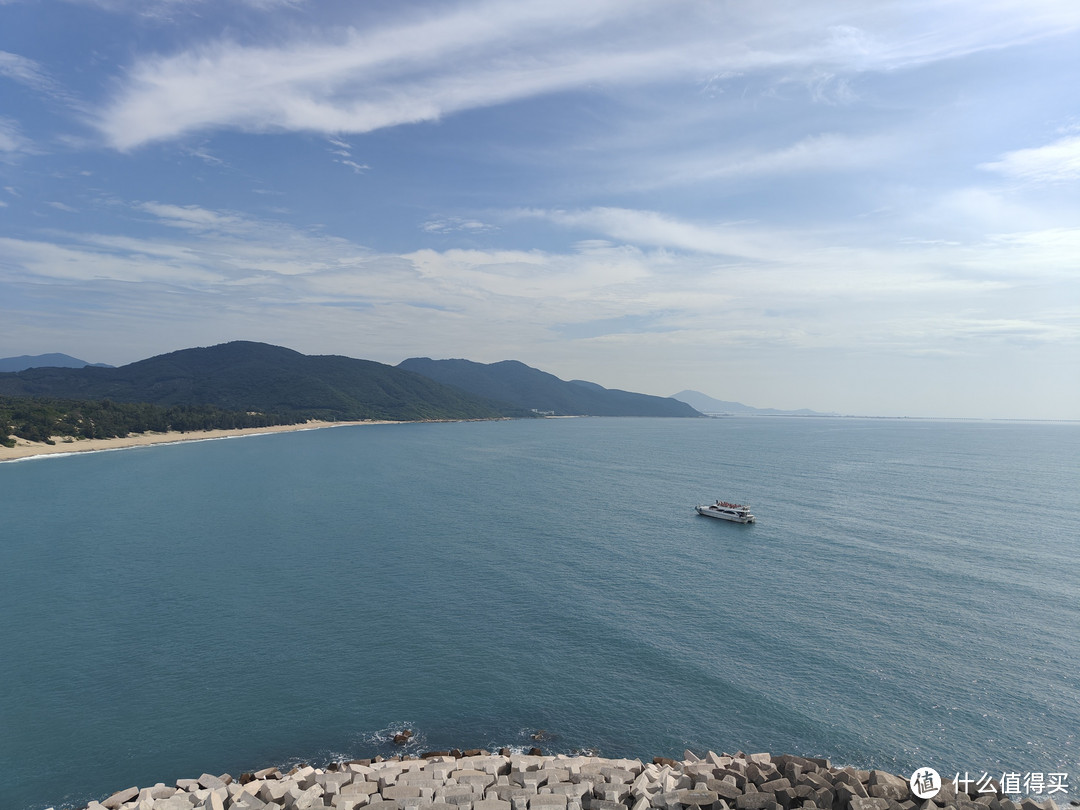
{"x": 652, "y": 228}
{"x": 485, "y": 53}
{"x": 1057, "y": 162}
{"x": 11, "y": 138}
{"x": 31, "y": 74}
{"x": 204, "y": 154}
{"x": 803, "y": 290}
{"x": 196, "y": 218}
{"x": 447, "y": 225}
{"x": 342, "y": 151}
{"x": 23, "y": 70}
{"x": 164, "y": 10}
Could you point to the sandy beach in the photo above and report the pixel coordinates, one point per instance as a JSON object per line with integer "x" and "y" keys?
{"x": 25, "y": 449}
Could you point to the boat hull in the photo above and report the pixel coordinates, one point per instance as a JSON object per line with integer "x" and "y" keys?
{"x": 734, "y": 517}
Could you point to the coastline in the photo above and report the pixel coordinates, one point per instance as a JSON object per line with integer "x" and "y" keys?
{"x": 479, "y": 780}
{"x": 24, "y": 450}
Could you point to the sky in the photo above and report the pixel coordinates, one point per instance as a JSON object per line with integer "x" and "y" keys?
{"x": 862, "y": 208}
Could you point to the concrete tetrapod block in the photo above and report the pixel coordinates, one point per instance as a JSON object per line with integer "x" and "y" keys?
{"x": 549, "y": 801}
{"x": 756, "y": 801}
{"x": 724, "y": 789}
{"x": 569, "y": 789}
{"x": 461, "y": 771}
{"x": 247, "y": 801}
{"x": 360, "y": 788}
{"x": 601, "y": 804}
{"x": 618, "y": 792}
{"x": 334, "y": 781}
{"x": 161, "y": 791}
{"x": 774, "y": 785}
{"x": 401, "y": 792}
{"x": 697, "y": 798}
{"x": 551, "y": 775}
{"x": 456, "y": 794}
{"x": 179, "y": 801}
{"x": 118, "y": 798}
{"x": 311, "y": 797}
{"x": 273, "y": 791}
{"x": 860, "y": 803}
{"x": 420, "y": 779}
{"x": 210, "y": 782}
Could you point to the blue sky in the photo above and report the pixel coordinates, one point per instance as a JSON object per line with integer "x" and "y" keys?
{"x": 867, "y": 208}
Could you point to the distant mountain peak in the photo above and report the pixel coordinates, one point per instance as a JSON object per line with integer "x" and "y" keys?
{"x": 709, "y": 405}
{"x": 53, "y": 360}
{"x": 257, "y": 377}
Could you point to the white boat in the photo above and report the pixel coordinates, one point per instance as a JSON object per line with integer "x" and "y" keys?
{"x": 727, "y": 511}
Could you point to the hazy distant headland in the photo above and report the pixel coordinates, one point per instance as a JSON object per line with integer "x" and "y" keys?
{"x": 244, "y": 384}
{"x": 707, "y": 405}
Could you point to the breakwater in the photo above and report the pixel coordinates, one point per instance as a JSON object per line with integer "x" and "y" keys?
{"x": 477, "y": 780}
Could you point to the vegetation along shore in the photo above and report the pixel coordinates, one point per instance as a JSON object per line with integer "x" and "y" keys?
{"x": 19, "y": 448}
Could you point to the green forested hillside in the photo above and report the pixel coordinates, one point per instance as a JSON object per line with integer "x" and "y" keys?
{"x": 244, "y": 376}
{"x": 514, "y": 382}
{"x": 39, "y": 419}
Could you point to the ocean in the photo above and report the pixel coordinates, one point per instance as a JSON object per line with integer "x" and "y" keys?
{"x": 909, "y": 597}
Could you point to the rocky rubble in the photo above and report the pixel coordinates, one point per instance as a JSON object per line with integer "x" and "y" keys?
{"x": 478, "y": 780}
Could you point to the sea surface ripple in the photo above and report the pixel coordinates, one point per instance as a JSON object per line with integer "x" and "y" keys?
{"x": 909, "y": 596}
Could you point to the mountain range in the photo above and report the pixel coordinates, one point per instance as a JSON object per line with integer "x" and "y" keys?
{"x": 245, "y": 376}
{"x": 256, "y": 377}
{"x": 526, "y": 387}
{"x": 54, "y": 360}
{"x": 707, "y": 405}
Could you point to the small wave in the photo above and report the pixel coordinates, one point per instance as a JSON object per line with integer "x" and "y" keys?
{"x": 382, "y": 742}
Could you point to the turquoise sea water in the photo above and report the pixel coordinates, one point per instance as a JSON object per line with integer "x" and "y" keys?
{"x": 910, "y": 596}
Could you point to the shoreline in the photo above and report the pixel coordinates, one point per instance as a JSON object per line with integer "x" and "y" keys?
{"x": 25, "y": 450}
{"x": 479, "y": 780}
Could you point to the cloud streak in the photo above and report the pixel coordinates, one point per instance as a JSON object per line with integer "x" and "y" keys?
{"x": 1057, "y": 162}
{"x": 487, "y": 53}
{"x": 718, "y": 286}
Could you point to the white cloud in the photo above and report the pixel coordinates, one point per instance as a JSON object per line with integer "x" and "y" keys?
{"x": 358, "y": 168}
{"x": 27, "y": 72}
{"x": 196, "y": 218}
{"x": 655, "y": 229}
{"x": 485, "y": 53}
{"x": 640, "y": 289}
{"x": 822, "y": 153}
{"x": 448, "y": 225}
{"x": 1057, "y": 162}
{"x": 47, "y": 262}
{"x": 23, "y": 70}
{"x": 11, "y": 140}
{"x": 165, "y": 10}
